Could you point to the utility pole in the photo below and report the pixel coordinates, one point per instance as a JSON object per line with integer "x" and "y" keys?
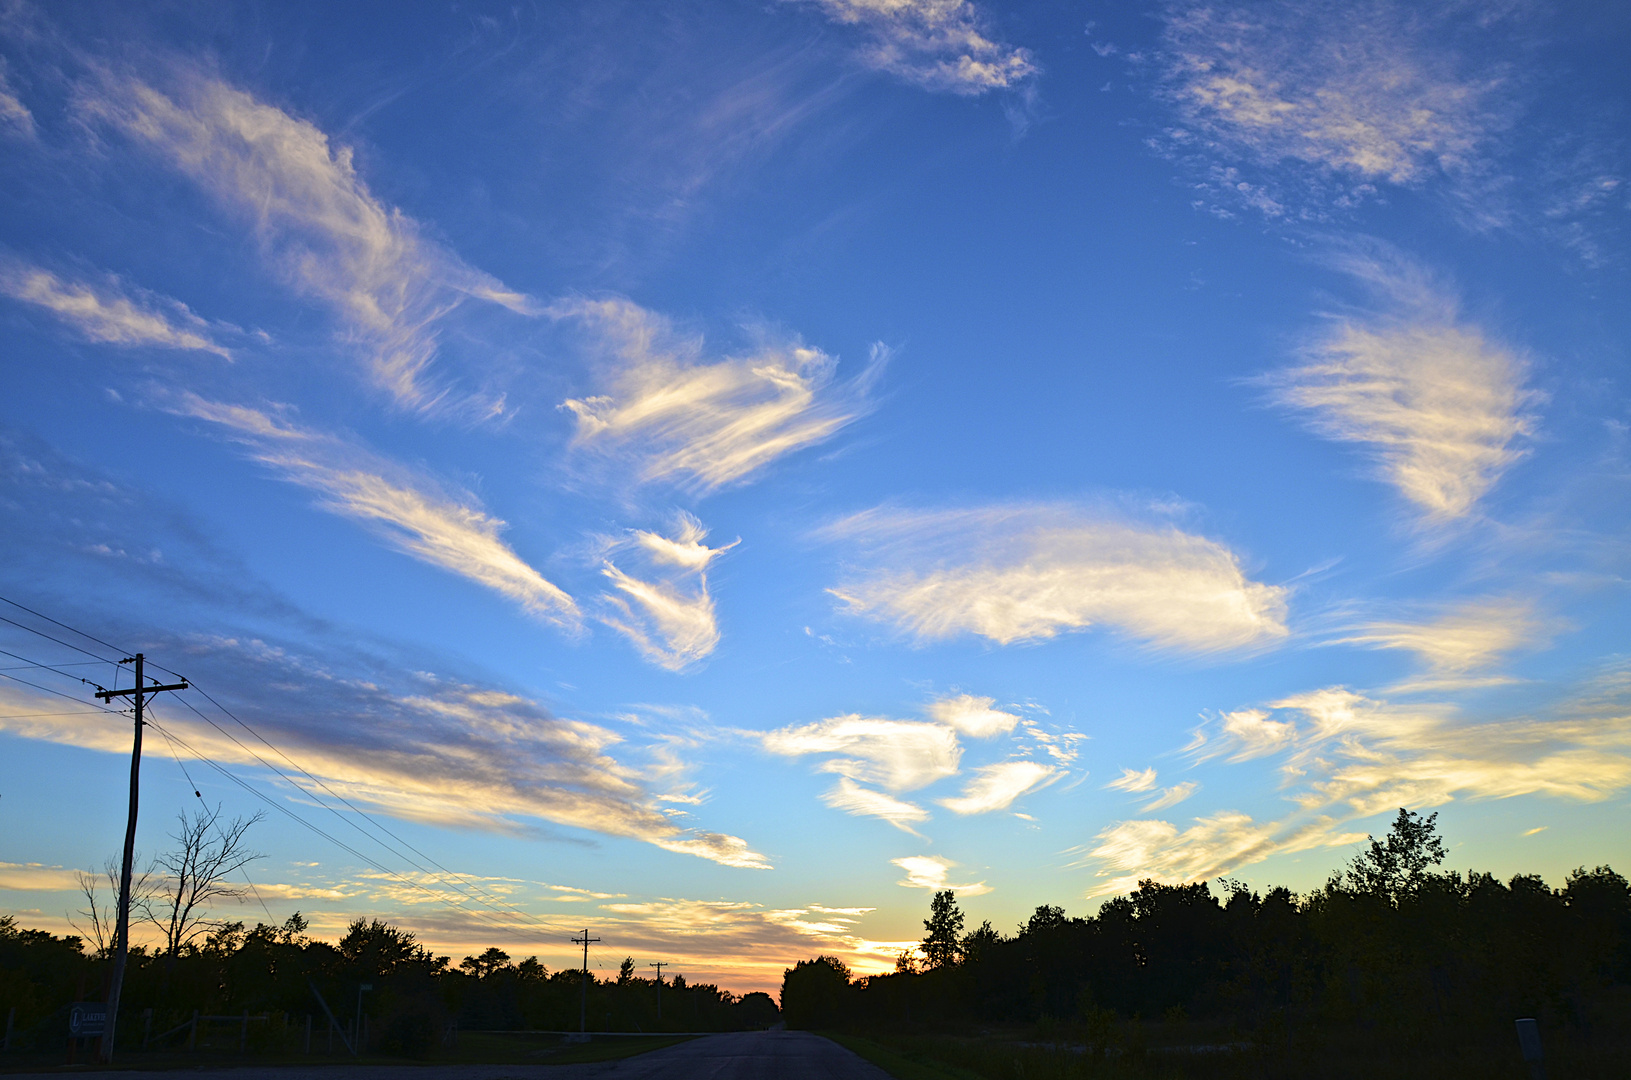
{"x": 659, "y": 967}
{"x": 583, "y": 1003}
{"x": 121, "y": 932}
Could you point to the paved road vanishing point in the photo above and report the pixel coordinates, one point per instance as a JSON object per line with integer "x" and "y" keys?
{"x": 747, "y": 1055}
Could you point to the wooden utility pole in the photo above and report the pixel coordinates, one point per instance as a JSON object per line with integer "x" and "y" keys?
{"x": 121, "y": 932}
{"x": 659, "y": 966}
{"x": 583, "y": 1001}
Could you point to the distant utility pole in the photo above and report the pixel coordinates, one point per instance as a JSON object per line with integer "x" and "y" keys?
{"x": 659, "y": 967}
{"x": 121, "y": 932}
{"x": 583, "y": 1003}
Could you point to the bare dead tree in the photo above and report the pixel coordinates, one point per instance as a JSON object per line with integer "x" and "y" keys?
{"x": 102, "y": 919}
{"x": 196, "y": 875}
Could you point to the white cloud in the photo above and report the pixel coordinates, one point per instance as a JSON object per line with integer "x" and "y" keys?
{"x": 318, "y": 223}
{"x": 13, "y": 113}
{"x": 409, "y": 512}
{"x": 1347, "y": 757}
{"x": 1245, "y": 734}
{"x": 105, "y": 313}
{"x": 1171, "y": 796}
{"x": 1461, "y": 641}
{"x": 1133, "y": 780}
{"x": 1214, "y": 845}
{"x": 940, "y": 45}
{"x": 670, "y": 617}
{"x": 37, "y": 877}
{"x": 852, "y": 798}
{"x": 900, "y": 755}
{"x": 672, "y": 417}
{"x": 1370, "y": 755}
{"x": 1024, "y": 572}
{"x": 1441, "y": 408}
{"x": 995, "y": 787}
{"x": 1358, "y": 94}
{"x": 931, "y": 872}
{"x": 973, "y": 716}
{"x": 439, "y": 752}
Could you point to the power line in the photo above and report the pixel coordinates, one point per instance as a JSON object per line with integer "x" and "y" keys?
{"x": 60, "y": 694}
{"x": 48, "y": 637}
{"x": 475, "y": 891}
{"x": 34, "y": 665}
{"x": 65, "y": 626}
{"x": 281, "y": 808}
{"x": 69, "y": 663}
{"x": 469, "y": 891}
{"x": 470, "y": 894}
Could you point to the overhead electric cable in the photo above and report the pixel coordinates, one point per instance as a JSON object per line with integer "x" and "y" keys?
{"x": 65, "y": 626}
{"x": 48, "y": 637}
{"x": 485, "y": 895}
{"x": 470, "y": 892}
{"x": 283, "y": 809}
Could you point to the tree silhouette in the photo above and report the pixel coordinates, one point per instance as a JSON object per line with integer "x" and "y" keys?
{"x": 942, "y": 945}
{"x": 195, "y": 875}
{"x": 1397, "y": 867}
{"x": 492, "y": 960}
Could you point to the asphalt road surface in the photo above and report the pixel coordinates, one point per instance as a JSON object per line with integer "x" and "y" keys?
{"x": 745, "y": 1055}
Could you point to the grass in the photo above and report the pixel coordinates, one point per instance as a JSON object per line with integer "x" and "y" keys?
{"x": 474, "y": 1048}
{"x": 1148, "y": 1052}
{"x": 900, "y": 1061}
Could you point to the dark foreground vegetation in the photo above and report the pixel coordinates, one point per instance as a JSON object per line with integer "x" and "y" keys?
{"x": 257, "y": 987}
{"x": 1391, "y": 969}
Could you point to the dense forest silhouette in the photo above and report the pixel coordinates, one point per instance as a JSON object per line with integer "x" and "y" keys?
{"x": 1392, "y": 961}
{"x": 1388, "y": 957}
{"x": 417, "y": 1001}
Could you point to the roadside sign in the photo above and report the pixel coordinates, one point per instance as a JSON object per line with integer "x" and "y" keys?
{"x": 87, "y": 1018}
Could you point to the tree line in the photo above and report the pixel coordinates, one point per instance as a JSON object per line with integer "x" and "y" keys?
{"x": 1389, "y": 945}
{"x": 416, "y": 1001}
{"x": 205, "y": 964}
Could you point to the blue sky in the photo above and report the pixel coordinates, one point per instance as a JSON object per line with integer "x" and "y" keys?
{"x": 715, "y": 472}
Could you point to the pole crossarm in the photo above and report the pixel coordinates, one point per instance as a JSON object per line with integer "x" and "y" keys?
{"x": 109, "y": 695}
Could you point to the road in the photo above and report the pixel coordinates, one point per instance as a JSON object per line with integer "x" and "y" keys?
{"x": 745, "y": 1055}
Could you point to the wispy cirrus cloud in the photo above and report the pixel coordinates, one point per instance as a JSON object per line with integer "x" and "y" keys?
{"x": 1370, "y": 754}
{"x": 317, "y": 222}
{"x": 1323, "y": 102}
{"x": 107, "y": 312}
{"x": 852, "y": 798}
{"x": 1130, "y": 851}
{"x": 1171, "y": 796}
{"x": 995, "y": 787}
{"x": 384, "y": 724}
{"x": 1344, "y": 756}
{"x": 1032, "y": 571}
{"x": 933, "y": 872}
{"x": 13, "y": 113}
{"x": 668, "y": 614}
{"x": 897, "y": 755}
{"x": 676, "y": 418}
{"x": 900, "y": 755}
{"x": 976, "y": 717}
{"x": 1442, "y": 409}
{"x": 940, "y": 45}
{"x": 1460, "y": 642}
{"x": 411, "y": 744}
{"x": 411, "y": 513}
{"x": 1133, "y": 780}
